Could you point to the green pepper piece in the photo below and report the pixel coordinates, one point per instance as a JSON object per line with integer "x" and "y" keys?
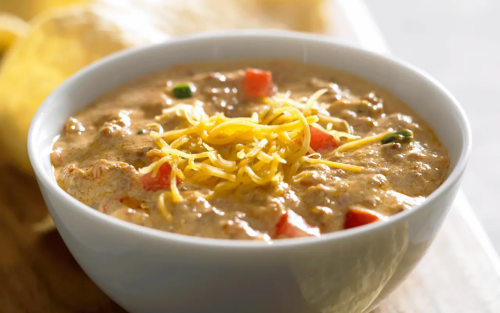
{"x": 398, "y": 136}
{"x": 182, "y": 91}
{"x": 141, "y": 131}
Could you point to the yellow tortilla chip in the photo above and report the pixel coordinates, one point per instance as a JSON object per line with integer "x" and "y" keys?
{"x": 11, "y": 27}
{"x": 27, "y": 9}
{"x": 60, "y": 43}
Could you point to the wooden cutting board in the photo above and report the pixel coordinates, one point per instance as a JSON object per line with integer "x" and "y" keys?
{"x": 460, "y": 274}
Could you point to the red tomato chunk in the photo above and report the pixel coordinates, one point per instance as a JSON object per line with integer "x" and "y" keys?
{"x": 322, "y": 141}
{"x": 292, "y": 225}
{"x": 160, "y": 181}
{"x": 257, "y": 83}
{"x": 360, "y": 217}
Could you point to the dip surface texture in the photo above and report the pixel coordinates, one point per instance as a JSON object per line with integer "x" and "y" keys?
{"x": 101, "y": 150}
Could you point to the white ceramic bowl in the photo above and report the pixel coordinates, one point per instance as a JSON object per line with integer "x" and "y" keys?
{"x": 146, "y": 271}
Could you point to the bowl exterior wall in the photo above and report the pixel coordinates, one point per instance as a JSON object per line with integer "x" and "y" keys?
{"x": 344, "y": 275}
{"x": 146, "y": 271}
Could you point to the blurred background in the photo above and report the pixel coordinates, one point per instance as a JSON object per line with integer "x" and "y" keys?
{"x": 458, "y": 42}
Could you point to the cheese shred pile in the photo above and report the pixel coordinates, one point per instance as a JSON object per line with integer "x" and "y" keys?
{"x": 224, "y": 153}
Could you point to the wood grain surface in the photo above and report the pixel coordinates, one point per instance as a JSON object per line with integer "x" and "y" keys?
{"x": 37, "y": 272}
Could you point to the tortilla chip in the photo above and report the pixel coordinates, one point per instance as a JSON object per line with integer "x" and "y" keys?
{"x": 27, "y": 9}
{"x": 60, "y": 43}
{"x": 11, "y": 27}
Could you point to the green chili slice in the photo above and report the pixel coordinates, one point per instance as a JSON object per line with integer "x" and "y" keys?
{"x": 398, "y": 136}
{"x": 182, "y": 91}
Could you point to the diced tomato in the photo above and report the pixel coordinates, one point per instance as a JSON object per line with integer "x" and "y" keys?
{"x": 257, "y": 83}
{"x": 359, "y": 217}
{"x": 292, "y": 225}
{"x": 160, "y": 181}
{"x": 322, "y": 141}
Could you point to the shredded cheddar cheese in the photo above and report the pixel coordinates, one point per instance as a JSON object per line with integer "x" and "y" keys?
{"x": 229, "y": 153}
{"x": 360, "y": 142}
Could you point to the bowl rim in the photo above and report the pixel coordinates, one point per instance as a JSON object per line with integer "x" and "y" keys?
{"x": 48, "y": 181}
